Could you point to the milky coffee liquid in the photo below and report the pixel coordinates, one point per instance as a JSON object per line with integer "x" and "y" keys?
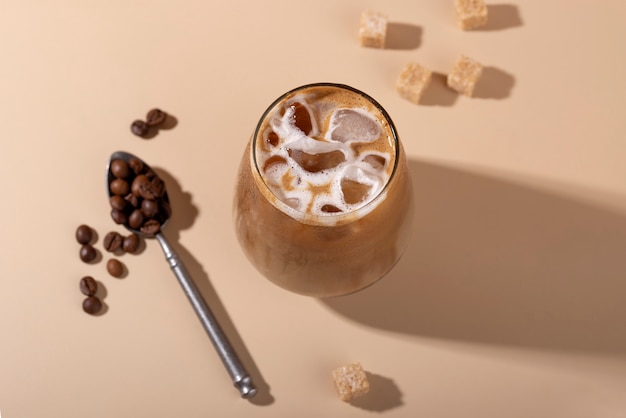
{"x": 325, "y": 151}
{"x": 323, "y": 202}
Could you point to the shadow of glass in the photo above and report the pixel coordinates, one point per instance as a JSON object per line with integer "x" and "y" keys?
{"x": 438, "y": 93}
{"x": 496, "y": 262}
{"x": 494, "y": 84}
{"x": 384, "y": 395}
{"x": 184, "y": 213}
{"x": 403, "y": 36}
{"x": 502, "y": 16}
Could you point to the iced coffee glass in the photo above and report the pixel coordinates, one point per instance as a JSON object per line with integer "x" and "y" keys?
{"x": 323, "y": 199}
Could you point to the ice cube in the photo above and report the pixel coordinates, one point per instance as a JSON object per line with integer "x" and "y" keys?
{"x": 273, "y": 160}
{"x": 353, "y": 191}
{"x": 352, "y": 125}
{"x": 327, "y": 208}
{"x": 377, "y": 162}
{"x": 272, "y": 138}
{"x": 301, "y": 118}
{"x": 358, "y": 185}
{"x": 315, "y": 163}
{"x": 294, "y": 202}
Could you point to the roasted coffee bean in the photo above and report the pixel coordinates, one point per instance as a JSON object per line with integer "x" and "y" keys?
{"x": 156, "y": 188}
{"x": 151, "y": 227}
{"x": 136, "y": 165}
{"x": 117, "y": 202}
{"x": 88, "y": 286}
{"x": 155, "y": 117}
{"x": 131, "y": 243}
{"x": 139, "y": 184}
{"x": 113, "y": 241}
{"x": 149, "y": 188}
{"x": 132, "y": 200}
{"x": 120, "y": 169}
{"x": 115, "y": 268}
{"x": 84, "y": 234}
{"x": 150, "y": 208}
{"x": 139, "y": 128}
{"x": 135, "y": 220}
{"x": 150, "y": 174}
{"x": 92, "y": 305}
{"x": 87, "y": 253}
{"x": 119, "y": 217}
{"x": 119, "y": 187}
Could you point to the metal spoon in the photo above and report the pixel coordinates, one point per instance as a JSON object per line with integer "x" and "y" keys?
{"x": 237, "y": 372}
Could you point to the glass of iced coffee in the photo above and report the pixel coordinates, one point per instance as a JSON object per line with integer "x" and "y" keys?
{"x": 323, "y": 202}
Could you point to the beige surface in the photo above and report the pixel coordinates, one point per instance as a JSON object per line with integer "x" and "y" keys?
{"x": 508, "y": 303}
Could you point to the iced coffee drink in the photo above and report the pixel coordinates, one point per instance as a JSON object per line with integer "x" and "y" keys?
{"x": 323, "y": 200}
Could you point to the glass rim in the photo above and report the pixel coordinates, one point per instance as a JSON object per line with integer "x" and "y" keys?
{"x": 330, "y": 218}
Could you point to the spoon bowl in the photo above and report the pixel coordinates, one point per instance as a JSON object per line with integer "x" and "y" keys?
{"x": 162, "y": 199}
{"x": 150, "y": 188}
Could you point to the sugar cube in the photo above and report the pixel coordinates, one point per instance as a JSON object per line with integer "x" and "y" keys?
{"x": 464, "y": 75}
{"x": 351, "y": 381}
{"x": 412, "y": 81}
{"x": 471, "y": 14}
{"x": 373, "y": 29}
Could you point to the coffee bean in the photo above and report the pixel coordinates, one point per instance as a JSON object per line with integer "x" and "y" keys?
{"x": 88, "y": 286}
{"x": 150, "y": 208}
{"x": 156, "y": 189}
{"x": 84, "y": 234}
{"x": 155, "y": 117}
{"x": 115, "y": 268}
{"x": 92, "y": 305}
{"x": 117, "y": 202}
{"x": 119, "y": 217}
{"x": 87, "y": 253}
{"x": 136, "y": 165}
{"x": 120, "y": 169}
{"x": 135, "y": 220}
{"x": 150, "y": 174}
{"x": 140, "y": 182}
{"x": 119, "y": 187}
{"x": 139, "y": 128}
{"x": 131, "y": 243}
{"x": 132, "y": 200}
{"x": 113, "y": 241}
{"x": 151, "y": 227}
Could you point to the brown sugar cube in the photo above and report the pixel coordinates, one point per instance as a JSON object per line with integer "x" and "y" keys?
{"x": 373, "y": 29}
{"x": 351, "y": 381}
{"x": 471, "y": 14}
{"x": 412, "y": 82}
{"x": 465, "y": 75}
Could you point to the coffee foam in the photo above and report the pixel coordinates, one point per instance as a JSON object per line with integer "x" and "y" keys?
{"x": 344, "y": 123}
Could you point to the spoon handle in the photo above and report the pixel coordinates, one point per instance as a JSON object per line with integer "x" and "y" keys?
{"x": 237, "y": 372}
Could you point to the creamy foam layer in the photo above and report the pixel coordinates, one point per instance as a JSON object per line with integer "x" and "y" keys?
{"x": 325, "y": 151}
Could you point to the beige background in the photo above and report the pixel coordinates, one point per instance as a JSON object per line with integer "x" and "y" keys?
{"x": 510, "y": 301}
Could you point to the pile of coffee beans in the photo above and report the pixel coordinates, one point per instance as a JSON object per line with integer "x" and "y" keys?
{"x": 113, "y": 242}
{"x": 138, "y": 199}
{"x": 85, "y": 236}
{"x": 89, "y": 287}
{"x": 154, "y": 119}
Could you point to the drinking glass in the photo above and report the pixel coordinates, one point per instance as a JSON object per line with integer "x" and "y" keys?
{"x": 322, "y": 254}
